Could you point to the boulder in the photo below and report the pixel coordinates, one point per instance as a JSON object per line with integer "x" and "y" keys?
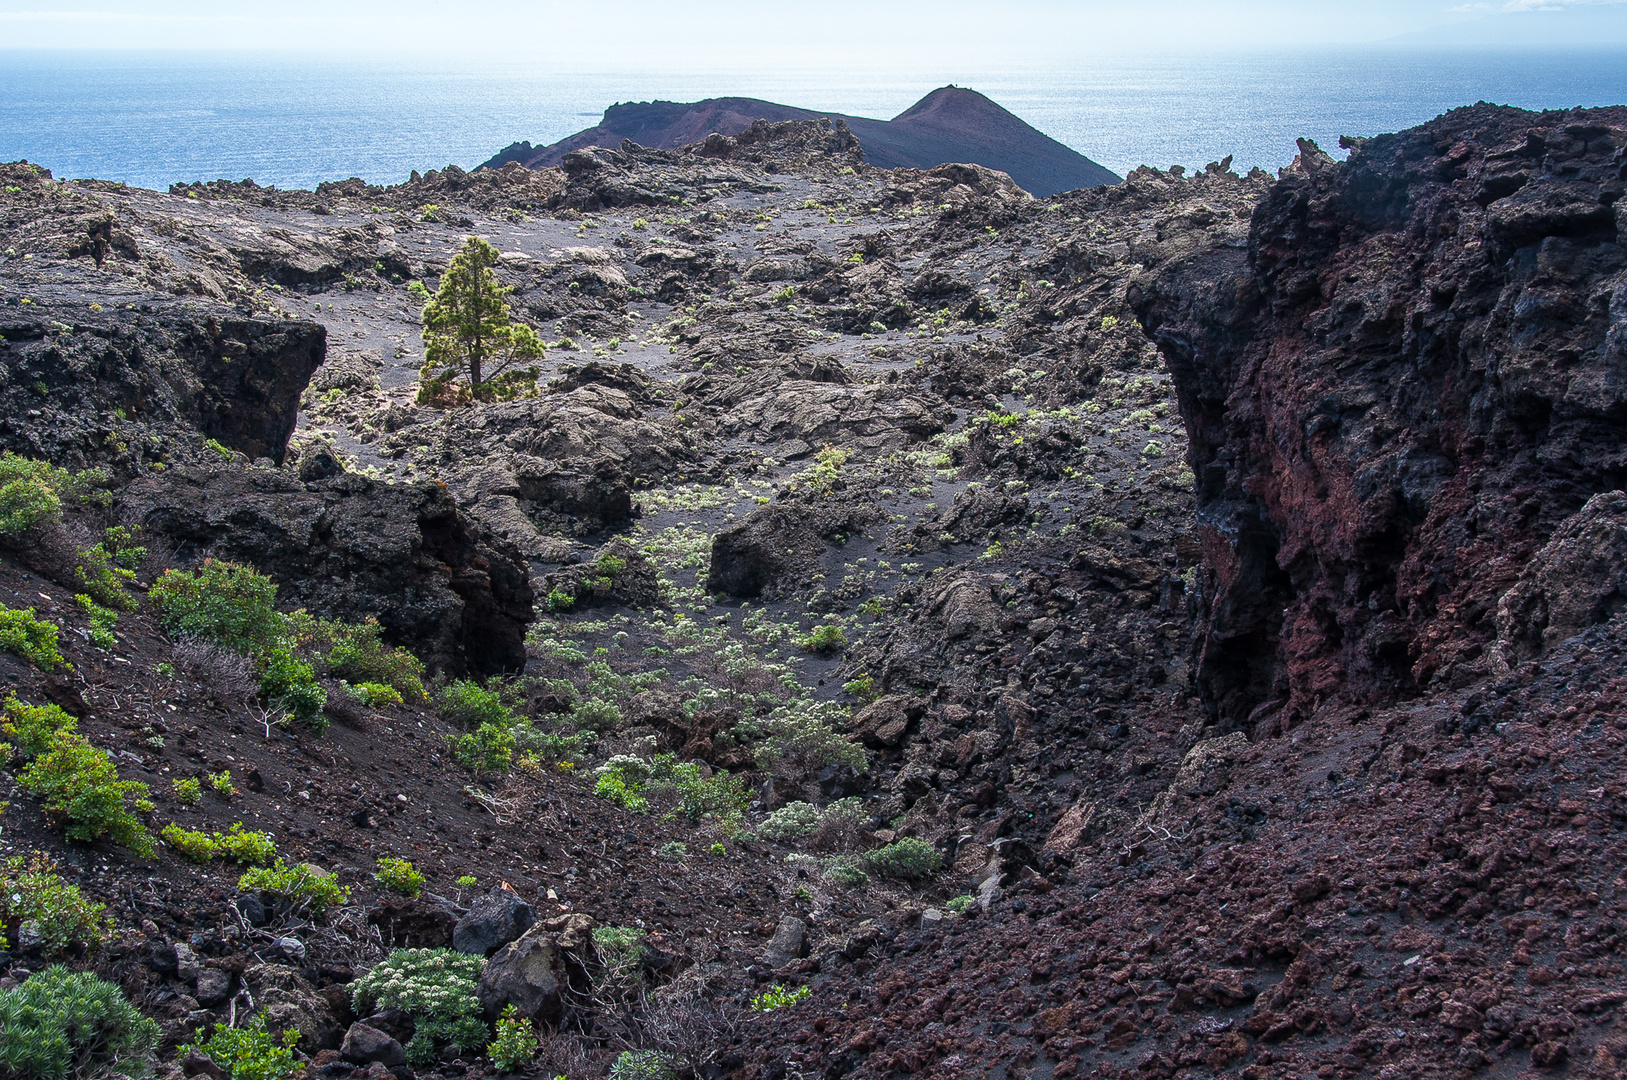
{"x": 214, "y": 987}
{"x": 790, "y": 942}
{"x": 364, "y": 1043}
{"x": 493, "y": 921}
{"x": 1577, "y": 580}
{"x": 290, "y": 1001}
{"x": 884, "y": 722}
{"x": 413, "y": 924}
{"x": 352, "y": 549}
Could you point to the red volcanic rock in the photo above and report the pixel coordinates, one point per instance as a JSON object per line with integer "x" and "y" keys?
{"x": 1415, "y": 373}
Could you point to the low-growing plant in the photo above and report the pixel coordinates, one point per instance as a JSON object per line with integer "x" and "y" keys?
{"x": 790, "y": 823}
{"x": 375, "y": 695}
{"x": 436, "y": 987}
{"x": 778, "y": 997}
{"x": 643, "y": 1065}
{"x": 189, "y": 844}
{"x": 80, "y": 788}
{"x": 908, "y": 859}
{"x": 221, "y": 783}
{"x": 621, "y": 948}
{"x": 34, "y": 729}
{"x": 489, "y": 748}
{"x": 102, "y": 622}
{"x": 863, "y": 688}
{"x": 596, "y": 714}
{"x": 799, "y": 738}
{"x": 103, "y": 579}
{"x": 32, "y": 891}
{"x": 560, "y": 600}
{"x": 250, "y": 1052}
{"x": 28, "y": 493}
{"x": 290, "y": 683}
{"x": 825, "y": 638}
{"x": 718, "y": 849}
{"x": 228, "y": 603}
{"x": 62, "y": 1021}
{"x": 356, "y": 653}
{"x": 960, "y": 904}
{"x": 301, "y": 885}
{"x": 188, "y": 790}
{"x": 245, "y": 846}
{"x": 35, "y": 640}
{"x": 398, "y": 876}
{"x": 469, "y": 705}
{"x": 845, "y": 871}
{"x": 516, "y": 1041}
{"x": 615, "y": 786}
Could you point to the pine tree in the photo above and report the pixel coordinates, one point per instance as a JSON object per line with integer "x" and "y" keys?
{"x": 471, "y": 343}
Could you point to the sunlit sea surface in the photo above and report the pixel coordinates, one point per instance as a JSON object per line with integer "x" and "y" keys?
{"x": 151, "y": 119}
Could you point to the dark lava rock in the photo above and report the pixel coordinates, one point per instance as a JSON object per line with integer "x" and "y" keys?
{"x": 94, "y": 385}
{"x": 1396, "y": 394}
{"x": 364, "y": 1043}
{"x": 214, "y": 987}
{"x": 415, "y": 924}
{"x": 493, "y": 921}
{"x": 353, "y": 549}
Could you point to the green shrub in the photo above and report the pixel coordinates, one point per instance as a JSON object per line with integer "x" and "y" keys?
{"x": 908, "y": 859}
{"x": 516, "y": 1041}
{"x": 302, "y": 885}
{"x": 290, "y": 683}
{"x": 778, "y": 997}
{"x": 863, "y": 688}
{"x": 80, "y": 787}
{"x": 560, "y": 600}
{"x": 844, "y": 871}
{"x": 621, "y": 949}
{"x": 34, "y": 729}
{"x": 551, "y": 748}
{"x": 436, "y": 987}
{"x": 960, "y": 904}
{"x": 188, "y": 790}
{"x": 31, "y": 891}
{"x": 250, "y": 1052}
{"x": 243, "y": 846}
{"x": 227, "y": 603}
{"x": 596, "y": 714}
{"x": 643, "y": 1065}
{"x": 28, "y": 493}
{"x": 376, "y": 695}
{"x": 221, "y": 783}
{"x": 61, "y": 1021}
{"x": 824, "y": 639}
{"x": 614, "y": 785}
{"x": 35, "y": 640}
{"x": 398, "y": 875}
{"x": 790, "y": 822}
{"x": 489, "y": 748}
{"x": 356, "y": 653}
{"x": 189, "y": 844}
{"x": 120, "y": 542}
{"x": 798, "y": 738}
{"x": 102, "y": 622}
{"x": 103, "y": 579}
{"x": 469, "y": 705}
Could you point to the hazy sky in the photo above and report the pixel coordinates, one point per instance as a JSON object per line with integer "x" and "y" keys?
{"x": 635, "y": 34}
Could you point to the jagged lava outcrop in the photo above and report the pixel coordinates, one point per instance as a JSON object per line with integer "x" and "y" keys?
{"x": 1412, "y": 375}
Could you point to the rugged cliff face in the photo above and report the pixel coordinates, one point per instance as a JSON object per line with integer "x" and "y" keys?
{"x": 1412, "y": 376}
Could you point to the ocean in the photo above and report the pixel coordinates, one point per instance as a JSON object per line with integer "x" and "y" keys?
{"x": 150, "y": 119}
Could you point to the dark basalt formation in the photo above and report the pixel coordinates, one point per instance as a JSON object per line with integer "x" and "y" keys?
{"x": 351, "y": 549}
{"x": 1412, "y": 376}
{"x": 111, "y": 385}
{"x": 951, "y": 124}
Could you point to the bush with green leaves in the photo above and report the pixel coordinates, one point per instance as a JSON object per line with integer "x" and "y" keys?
{"x": 643, "y": 1065}
{"x": 34, "y": 729}
{"x": 245, "y": 846}
{"x": 250, "y": 1052}
{"x": 377, "y": 695}
{"x": 190, "y": 844}
{"x": 799, "y": 739}
{"x": 550, "y": 748}
{"x": 227, "y": 603}
{"x": 825, "y": 638}
{"x": 188, "y": 790}
{"x": 32, "y": 492}
{"x": 487, "y": 749}
{"x": 845, "y": 871}
{"x": 469, "y": 705}
{"x": 596, "y": 714}
{"x": 102, "y": 621}
{"x": 80, "y": 788}
{"x": 290, "y": 683}
{"x": 103, "y": 579}
{"x": 398, "y": 876}
{"x": 356, "y": 654}
{"x": 778, "y": 997}
{"x": 908, "y": 859}
{"x": 436, "y": 987}
{"x": 960, "y": 905}
{"x": 790, "y": 823}
{"x": 31, "y": 891}
{"x": 301, "y": 885}
{"x": 35, "y": 640}
{"x": 516, "y": 1041}
{"x": 633, "y": 782}
{"x": 62, "y": 1021}
{"x": 615, "y": 787}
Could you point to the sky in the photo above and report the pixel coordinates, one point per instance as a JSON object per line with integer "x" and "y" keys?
{"x": 671, "y": 35}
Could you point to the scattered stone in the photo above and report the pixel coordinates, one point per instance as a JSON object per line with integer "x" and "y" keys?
{"x": 493, "y": 921}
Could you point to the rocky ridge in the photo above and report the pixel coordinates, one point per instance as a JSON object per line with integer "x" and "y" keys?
{"x": 1143, "y": 696}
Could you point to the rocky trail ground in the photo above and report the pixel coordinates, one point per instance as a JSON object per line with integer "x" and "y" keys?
{"x": 1220, "y": 575}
